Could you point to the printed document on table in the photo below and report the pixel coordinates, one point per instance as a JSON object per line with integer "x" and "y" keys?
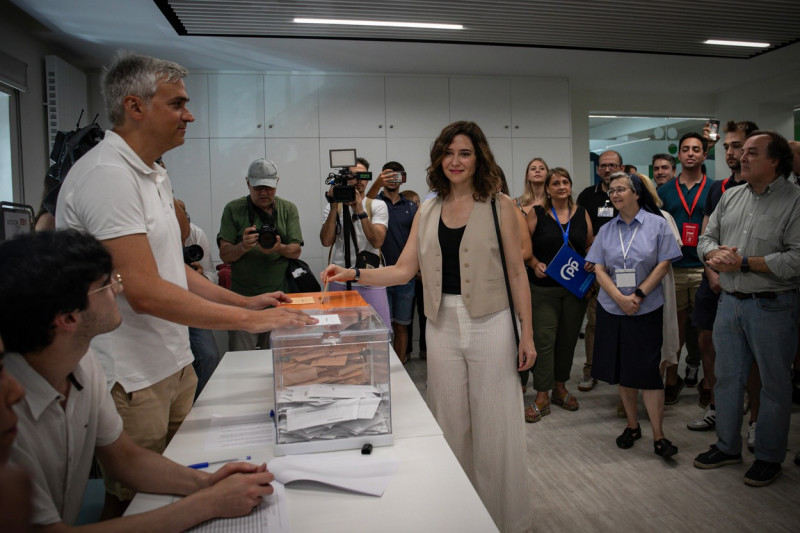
{"x": 269, "y": 517}
{"x": 240, "y": 431}
{"x": 326, "y": 320}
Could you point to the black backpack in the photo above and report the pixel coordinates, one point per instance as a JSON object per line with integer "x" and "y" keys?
{"x": 68, "y": 147}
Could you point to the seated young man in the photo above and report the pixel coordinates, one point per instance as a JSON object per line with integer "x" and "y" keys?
{"x": 60, "y": 292}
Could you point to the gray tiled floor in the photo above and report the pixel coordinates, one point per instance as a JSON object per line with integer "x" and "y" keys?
{"x": 582, "y": 482}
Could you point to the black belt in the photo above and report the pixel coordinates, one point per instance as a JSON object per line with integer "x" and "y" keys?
{"x": 766, "y": 295}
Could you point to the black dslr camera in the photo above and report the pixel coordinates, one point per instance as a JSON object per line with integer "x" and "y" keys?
{"x": 267, "y": 236}
{"x": 343, "y": 160}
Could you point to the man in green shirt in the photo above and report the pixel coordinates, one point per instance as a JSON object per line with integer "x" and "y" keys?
{"x": 256, "y": 269}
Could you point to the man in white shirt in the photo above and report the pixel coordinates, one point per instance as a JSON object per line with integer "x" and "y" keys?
{"x": 370, "y": 218}
{"x": 120, "y": 195}
{"x": 65, "y": 294}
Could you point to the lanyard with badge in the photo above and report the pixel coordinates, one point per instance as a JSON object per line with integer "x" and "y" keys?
{"x": 691, "y": 231}
{"x": 565, "y": 234}
{"x": 625, "y": 277}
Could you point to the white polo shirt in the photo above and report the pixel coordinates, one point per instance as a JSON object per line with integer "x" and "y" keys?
{"x": 110, "y": 193}
{"x": 380, "y": 215}
{"x": 56, "y": 445}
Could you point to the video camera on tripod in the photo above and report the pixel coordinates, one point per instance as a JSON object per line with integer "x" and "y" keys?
{"x": 343, "y": 160}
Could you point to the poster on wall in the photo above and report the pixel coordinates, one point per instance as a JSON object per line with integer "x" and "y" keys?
{"x": 17, "y": 219}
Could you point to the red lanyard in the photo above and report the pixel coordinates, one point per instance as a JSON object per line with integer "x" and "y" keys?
{"x": 726, "y": 182}
{"x": 696, "y": 196}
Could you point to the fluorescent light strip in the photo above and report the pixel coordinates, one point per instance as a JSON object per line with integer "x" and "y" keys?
{"x": 737, "y": 43}
{"x": 342, "y": 22}
{"x": 629, "y": 142}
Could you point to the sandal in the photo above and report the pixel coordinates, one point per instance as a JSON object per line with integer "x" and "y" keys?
{"x": 628, "y": 437}
{"x": 568, "y": 401}
{"x": 534, "y": 412}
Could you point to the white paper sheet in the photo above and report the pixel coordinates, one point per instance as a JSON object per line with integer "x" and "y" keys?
{"x": 240, "y": 431}
{"x": 269, "y": 517}
{"x": 326, "y": 320}
{"x": 306, "y": 417}
{"x": 367, "y": 474}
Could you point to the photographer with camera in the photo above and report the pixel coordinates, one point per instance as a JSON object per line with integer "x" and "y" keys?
{"x": 258, "y": 234}
{"x": 367, "y": 220}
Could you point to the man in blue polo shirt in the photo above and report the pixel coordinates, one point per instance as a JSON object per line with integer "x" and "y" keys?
{"x": 684, "y": 198}
{"x": 401, "y": 216}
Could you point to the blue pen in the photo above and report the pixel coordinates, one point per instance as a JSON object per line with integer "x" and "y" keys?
{"x": 198, "y": 466}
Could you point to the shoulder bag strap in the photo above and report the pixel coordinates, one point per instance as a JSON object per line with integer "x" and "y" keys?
{"x": 505, "y": 273}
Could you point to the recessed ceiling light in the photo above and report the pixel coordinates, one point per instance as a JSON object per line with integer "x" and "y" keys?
{"x": 385, "y": 23}
{"x": 737, "y": 43}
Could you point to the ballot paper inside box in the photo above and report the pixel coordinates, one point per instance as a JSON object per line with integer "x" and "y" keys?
{"x": 332, "y": 388}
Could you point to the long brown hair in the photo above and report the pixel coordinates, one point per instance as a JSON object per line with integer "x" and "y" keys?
{"x": 527, "y": 196}
{"x": 487, "y": 174}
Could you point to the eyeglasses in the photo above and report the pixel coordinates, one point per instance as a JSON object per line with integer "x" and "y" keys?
{"x": 608, "y": 166}
{"x": 618, "y": 190}
{"x": 115, "y": 285}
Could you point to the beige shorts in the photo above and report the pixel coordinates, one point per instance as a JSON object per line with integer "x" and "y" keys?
{"x": 687, "y": 280}
{"x": 152, "y": 415}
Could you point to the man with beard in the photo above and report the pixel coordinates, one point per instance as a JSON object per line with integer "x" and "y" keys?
{"x": 707, "y": 296}
{"x": 401, "y": 216}
{"x": 594, "y": 199}
{"x": 684, "y": 198}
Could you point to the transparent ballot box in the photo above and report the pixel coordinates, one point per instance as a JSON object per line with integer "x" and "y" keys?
{"x": 332, "y": 382}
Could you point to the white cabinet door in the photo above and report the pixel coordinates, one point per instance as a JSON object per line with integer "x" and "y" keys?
{"x": 292, "y": 106}
{"x": 501, "y": 148}
{"x": 229, "y": 159}
{"x": 556, "y": 152}
{"x": 487, "y": 102}
{"x": 416, "y": 107}
{"x": 236, "y": 105}
{"x": 189, "y": 172}
{"x": 301, "y": 182}
{"x": 540, "y": 108}
{"x": 197, "y": 90}
{"x": 352, "y": 106}
{"x": 414, "y": 155}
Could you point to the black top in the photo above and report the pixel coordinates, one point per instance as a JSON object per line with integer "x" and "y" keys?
{"x": 547, "y": 239}
{"x": 591, "y": 199}
{"x": 715, "y": 193}
{"x": 449, "y": 242}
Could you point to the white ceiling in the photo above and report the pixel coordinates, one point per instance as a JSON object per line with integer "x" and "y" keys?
{"x": 91, "y": 30}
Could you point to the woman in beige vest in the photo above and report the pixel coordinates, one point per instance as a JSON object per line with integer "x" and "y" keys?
{"x": 473, "y": 385}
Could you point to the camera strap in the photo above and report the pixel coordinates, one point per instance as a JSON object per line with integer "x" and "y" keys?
{"x": 265, "y": 217}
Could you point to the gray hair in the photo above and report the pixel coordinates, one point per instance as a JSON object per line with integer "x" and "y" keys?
{"x": 618, "y": 175}
{"x": 138, "y": 75}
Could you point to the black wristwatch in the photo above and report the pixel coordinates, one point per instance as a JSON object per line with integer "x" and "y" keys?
{"x": 357, "y": 274}
{"x": 639, "y": 293}
{"x": 745, "y": 265}
{"x": 359, "y": 216}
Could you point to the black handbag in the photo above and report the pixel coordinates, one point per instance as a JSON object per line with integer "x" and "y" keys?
{"x": 300, "y": 278}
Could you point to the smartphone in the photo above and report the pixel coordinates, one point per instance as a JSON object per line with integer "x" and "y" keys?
{"x": 713, "y": 129}
{"x": 396, "y": 177}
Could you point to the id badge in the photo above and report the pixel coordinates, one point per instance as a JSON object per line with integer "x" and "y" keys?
{"x": 625, "y": 278}
{"x": 690, "y": 234}
{"x": 605, "y": 212}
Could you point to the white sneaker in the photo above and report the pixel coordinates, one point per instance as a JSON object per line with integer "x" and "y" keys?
{"x": 708, "y": 422}
{"x": 587, "y": 384}
{"x": 751, "y": 437}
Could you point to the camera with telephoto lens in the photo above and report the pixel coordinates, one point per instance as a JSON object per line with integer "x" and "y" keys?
{"x": 343, "y": 160}
{"x": 192, "y": 254}
{"x": 267, "y": 236}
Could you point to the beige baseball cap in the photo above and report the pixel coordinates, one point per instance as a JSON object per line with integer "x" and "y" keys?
{"x": 262, "y": 172}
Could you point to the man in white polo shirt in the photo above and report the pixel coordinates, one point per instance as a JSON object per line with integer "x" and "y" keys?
{"x": 117, "y": 193}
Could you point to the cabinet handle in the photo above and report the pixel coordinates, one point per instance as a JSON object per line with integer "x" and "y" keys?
{"x": 380, "y": 126}
{"x": 506, "y": 126}
{"x": 515, "y": 127}
{"x": 391, "y": 126}
{"x": 270, "y": 126}
{"x": 258, "y": 125}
